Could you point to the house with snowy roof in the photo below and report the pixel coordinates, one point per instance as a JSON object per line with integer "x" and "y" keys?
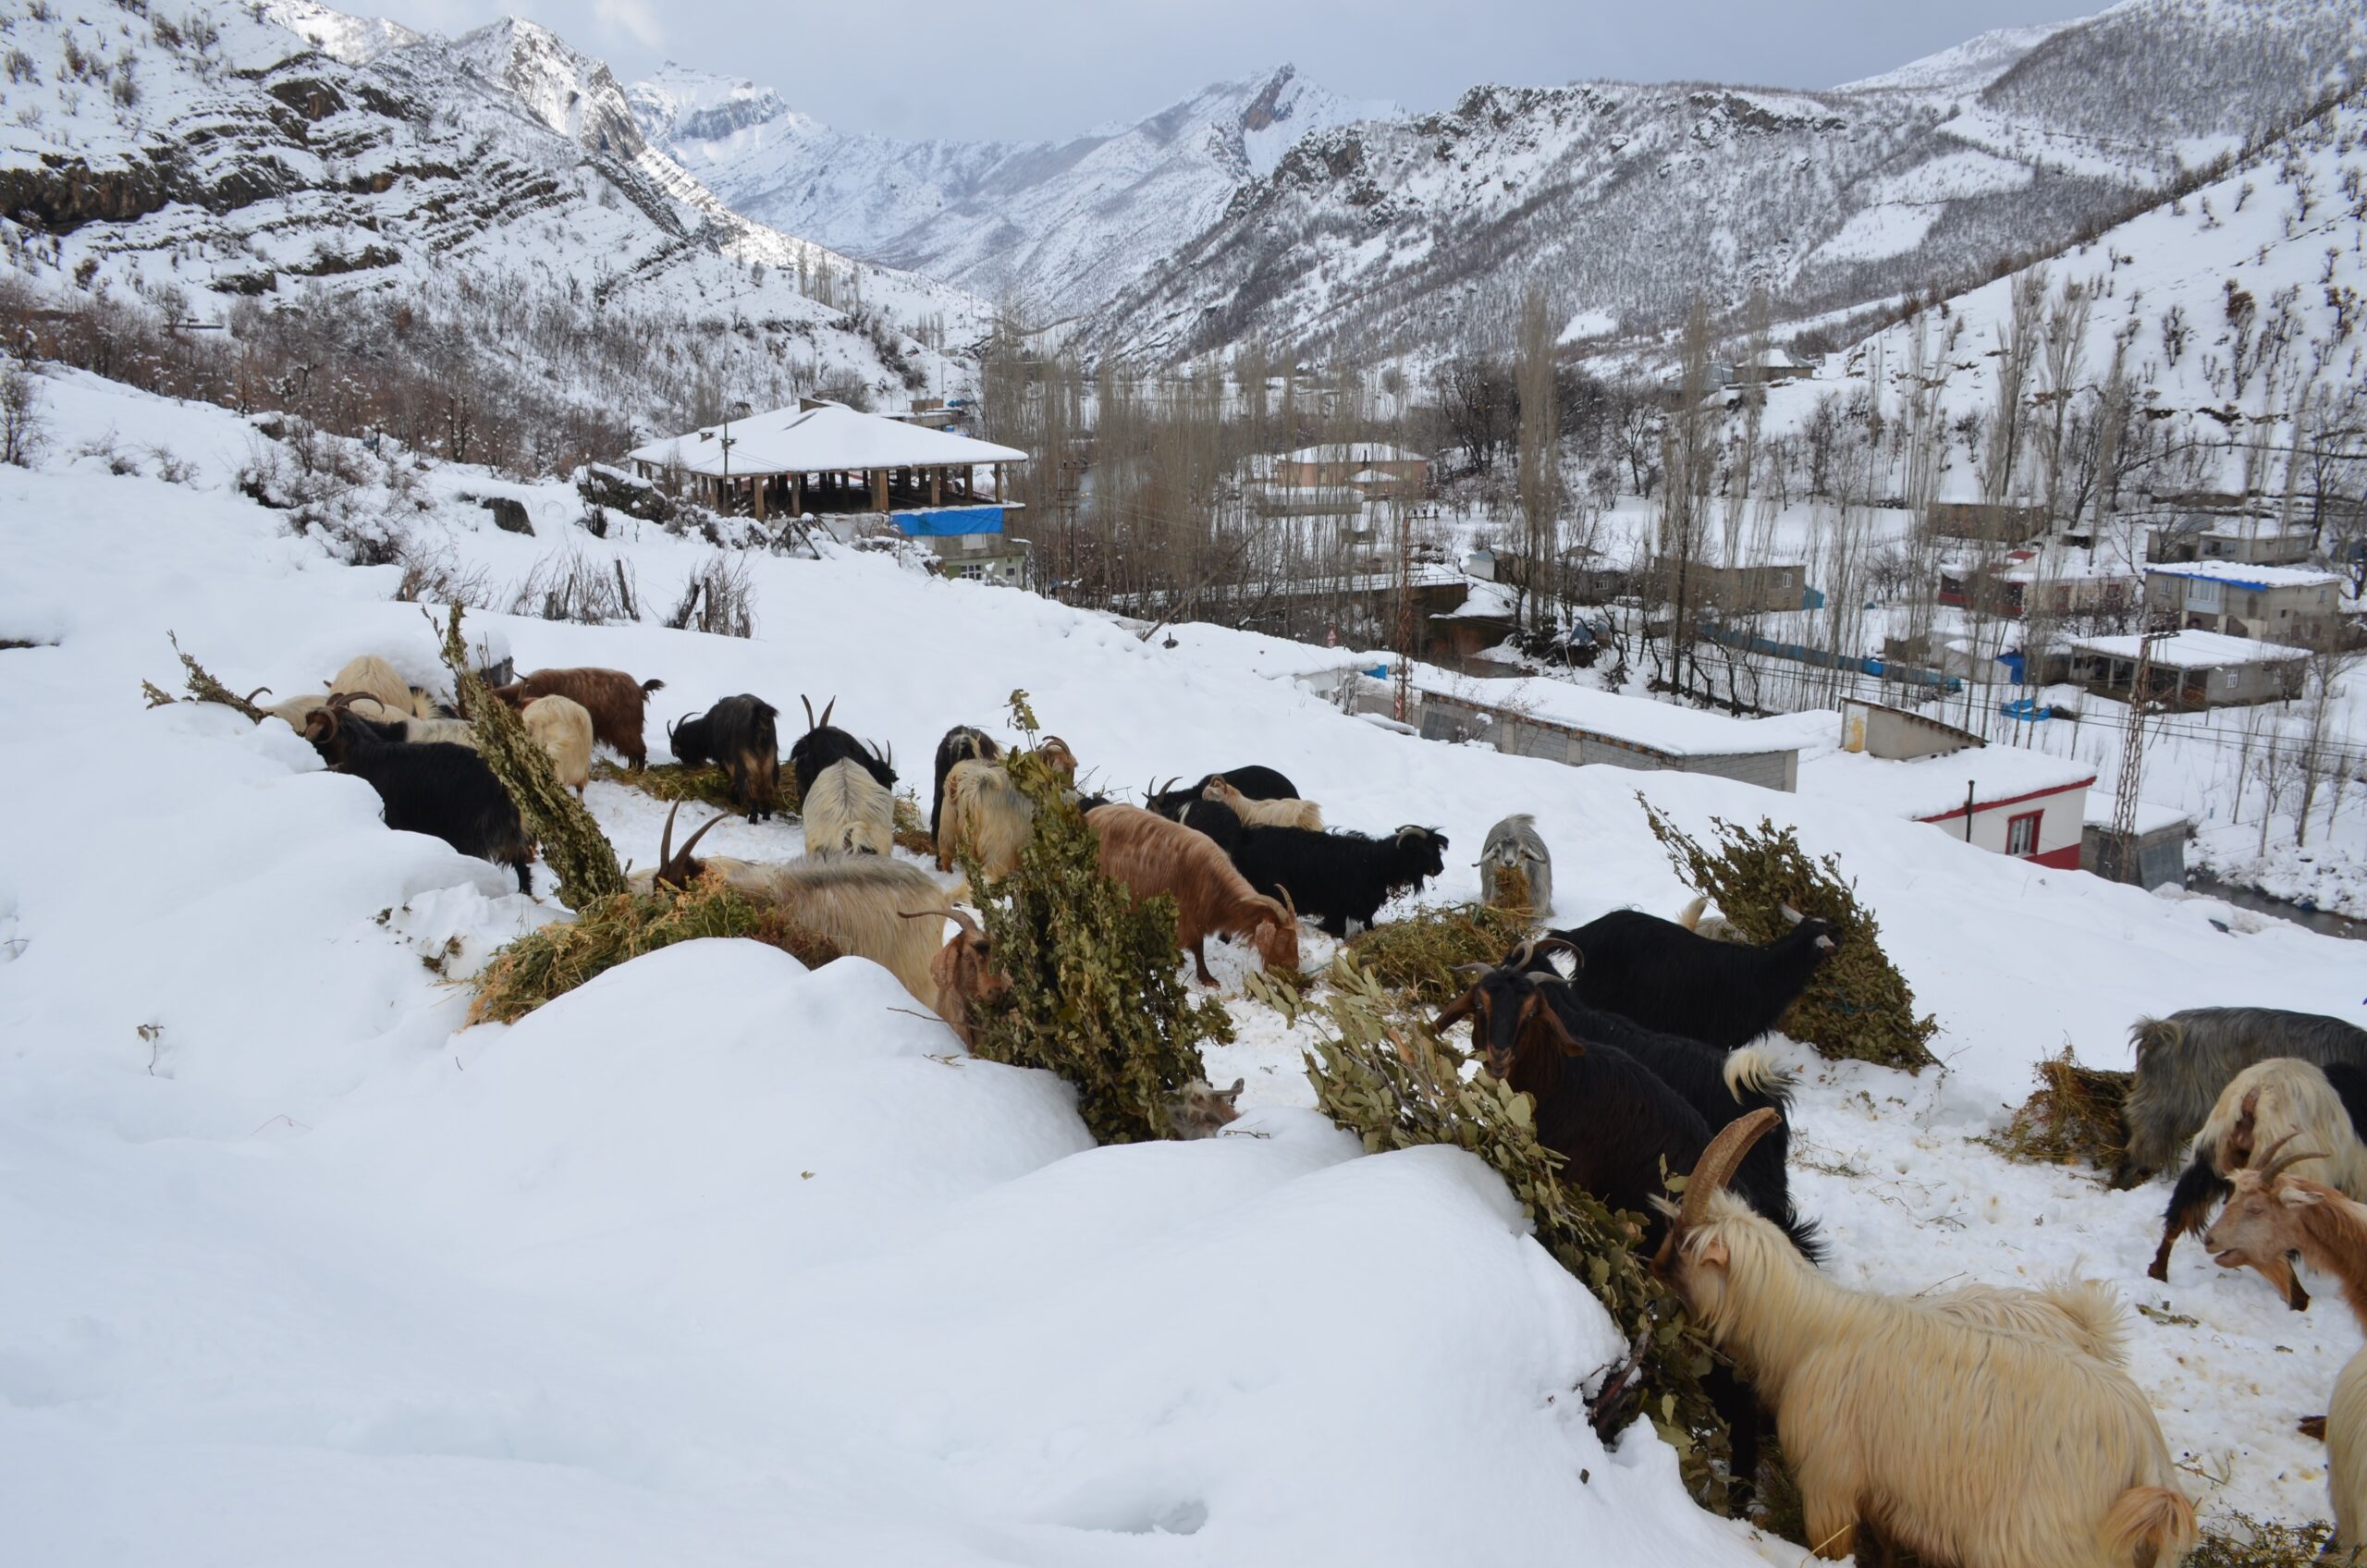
{"x": 1579, "y": 726}
{"x": 2192, "y": 669}
{"x": 839, "y": 465}
{"x": 1375, "y": 469}
{"x": 2001, "y": 799}
{"x": 2277, "y": 603}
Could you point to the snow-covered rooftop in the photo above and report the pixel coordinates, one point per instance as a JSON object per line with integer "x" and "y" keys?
{"x": 1353, "y": 452}
{"x": 1924, "y": 788}
{"x": 1637, "y": 720}
{"x": 819, "y": 440}
{"x": 2248, "y": 576}
{"x": 2196, "y": 650}
{"x": 2152, "y": 817}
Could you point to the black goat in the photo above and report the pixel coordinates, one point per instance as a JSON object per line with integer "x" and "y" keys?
{"x": 1339, "y": 876}
{"x": 439, "y": 789}
{"x": 1258, "y": 783}
{"x": 821, "y": 745}
{"x": 1722, "y": 1087}
{"x": 1217, "y": 820}
{"x": 738, "y": 735}
{"x": 961, "y": 743}
{"x": 1665, "y": 977}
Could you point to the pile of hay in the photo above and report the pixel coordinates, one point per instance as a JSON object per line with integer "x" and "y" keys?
{"x": 2238, "y": 1540}
{"x": 1415, "y": 956}
{"x": 2075, "y": 1116}
{"x": 1097, "y": 988}
{"x": 556, "y": 960}
{"x": 1859, "y": 1006}
{"x": 912, "y": 828}
{"x": 704, "y": 786}
{"x": 1386, "y": 1078}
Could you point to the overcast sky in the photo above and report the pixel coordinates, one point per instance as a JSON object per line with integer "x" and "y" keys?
{"x": 978, "y": 68}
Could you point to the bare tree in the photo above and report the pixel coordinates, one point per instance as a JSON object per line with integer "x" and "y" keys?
{"x": 21, "y": 415}
{"x": 1540, "y": 447}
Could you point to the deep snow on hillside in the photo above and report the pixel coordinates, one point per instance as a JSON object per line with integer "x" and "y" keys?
{"x": 718, "y": 1255}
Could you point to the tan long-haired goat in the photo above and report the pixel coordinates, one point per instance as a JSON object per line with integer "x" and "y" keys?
{"x": 1981, "y": 1446}
{"x": 2268, "y": 1103}
{"x": 1146, "y": 854}
{"x": 1285, "y": 813}
{"x": 848, "y": 812}
{"x": 2273, "y": 1212}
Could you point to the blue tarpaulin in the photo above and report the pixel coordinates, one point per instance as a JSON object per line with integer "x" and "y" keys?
{"x": 942, "y": 522}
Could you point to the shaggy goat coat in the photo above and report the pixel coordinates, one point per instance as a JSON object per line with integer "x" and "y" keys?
{"x": 1287, "y": 812}
{"x": 1515, "y": 844}
{"x": 2184, "y": 1060}
{"x": 445, "y": 792}
{"x": 857, "y": 901}
{"x": 986, "y": 816}
{"x": 1665, "y": 977}
{"x": 1976, "y": 1445}
{"x": 737, "y": 735}
{"x": 370, "y": 676}
{"x": 615, "y": 700}
{"x": 849, "y": 812}
{"x": 562, "y": 728}
{"x": 1148, "y": 855}
{"x": 961, "y": 743}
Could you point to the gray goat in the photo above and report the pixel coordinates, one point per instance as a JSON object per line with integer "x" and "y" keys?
{"x": 1514, "y": 845}
{"x": 2184, "y": 1060}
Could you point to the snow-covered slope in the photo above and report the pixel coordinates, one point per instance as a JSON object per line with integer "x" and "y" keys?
{"x": 721, "y": 1260}
{"x": 1057, "y": 226}
{"x": 1964, "y": 67}
{"x": 214, "y": 156}
{"x": 1626, "y": 200}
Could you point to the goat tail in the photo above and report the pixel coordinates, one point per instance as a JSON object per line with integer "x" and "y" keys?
{"x": 649, "y": 686}
{"x": 1754, "y": 1071}
{"x": 1690, "y": 915}
{"x": 2148, "y": 1032}
{"x": 2099, "y": 1321}
{"x": 2150, "y": 1525}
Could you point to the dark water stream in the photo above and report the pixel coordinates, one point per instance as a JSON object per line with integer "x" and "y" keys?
{"x": 2324, "y": 922}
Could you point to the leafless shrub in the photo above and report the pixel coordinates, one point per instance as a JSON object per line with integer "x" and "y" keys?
{"x": 564, "y": 585}
{"x": 21, "y": 415}
{"x": 171, "y": 467}
{"x": 717, "y": 598}
{"x": 436, "y": 575}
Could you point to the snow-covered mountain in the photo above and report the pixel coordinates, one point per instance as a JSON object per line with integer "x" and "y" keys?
{"x": 292, "y": 156}
{"x": 1416, "y": 235}
{"x": 1060, "y": 226}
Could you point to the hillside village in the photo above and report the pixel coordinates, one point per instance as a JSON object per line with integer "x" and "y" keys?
{"x": 548, "y": 1070}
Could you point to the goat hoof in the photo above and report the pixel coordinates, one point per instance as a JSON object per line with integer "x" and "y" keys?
{"x": 2160, "y": 1270}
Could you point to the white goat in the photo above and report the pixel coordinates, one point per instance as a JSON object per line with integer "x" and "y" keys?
{"x": 1264, "y": 814}
{"x": 985, "y": 816}
{"x": 848, "y": 812}
{"x": 562, "y": 727}
{"x": 372, "y": 675}
{"x": 1969, "y": 1443}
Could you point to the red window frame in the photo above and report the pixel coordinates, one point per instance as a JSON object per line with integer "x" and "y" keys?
{"x": 2013, "y": 830}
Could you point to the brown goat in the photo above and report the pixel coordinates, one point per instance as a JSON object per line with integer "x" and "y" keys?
{"x": 613, "y": 698}
{"x": 1149, "y": 855}
{"x": 965, "y": 976}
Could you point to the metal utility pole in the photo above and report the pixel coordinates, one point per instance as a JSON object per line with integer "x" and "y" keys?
{"x": 2122, "y": 845}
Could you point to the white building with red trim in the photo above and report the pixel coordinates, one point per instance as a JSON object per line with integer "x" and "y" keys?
{"x": 2001, "y": 798}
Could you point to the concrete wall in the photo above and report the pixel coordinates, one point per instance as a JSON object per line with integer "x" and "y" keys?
{"x": 2062, "y": 822}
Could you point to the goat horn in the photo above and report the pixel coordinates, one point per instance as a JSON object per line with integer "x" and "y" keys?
{"x": 1473, "y": 968}
{"x": 1563, "y": 944}
{"x": 969, "y": 927}
{"x": 1718, "y": 1162}
{"x": 1455, "y": 1013}
{"x": 827, "y": 708}
{"x": 670, "y": 738}
{"x": 810, "y": 725}
{"x": 666, "y": 841}
{"x": 679, "y": 864}
{"x": 1518, "y": 958}
{"x": 1288, "y": 903}
{"x": 250, "y": 697}
{"x": 2273, "y": 1163}
{"x": 1791, "y": 915}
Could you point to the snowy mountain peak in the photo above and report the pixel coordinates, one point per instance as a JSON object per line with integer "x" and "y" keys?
{"x": 1967, "y": 67}
{"x": 681, "y": 103}
{"x": 354, "y": 40}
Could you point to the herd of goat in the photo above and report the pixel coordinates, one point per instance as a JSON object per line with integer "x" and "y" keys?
{"x": 1987, "y": 1426}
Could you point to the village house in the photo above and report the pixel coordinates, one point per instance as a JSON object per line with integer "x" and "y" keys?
{"x": 847, "y": 470}
{"x": 1375, "y": 470}
{"x": 2192, "y": 669}
{"x": 2250, "y": 540}
{"x": 2001, "y": 523}
{"x": 1748, "y": 590}
{"x": 1770, "y": 367}
{"x": 2159, "y": 856}
{"x": 2066, "y": 586}
{"x": 2277, "y": 603}
{"x": 1577, "y": 725}
{"x": 2001, "y": 799}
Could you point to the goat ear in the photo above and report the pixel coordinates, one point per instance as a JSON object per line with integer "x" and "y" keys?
{"x": 1791, "y": 915}
{"x": 1824, "y": 944}
{"x": 1713, "y": 1253}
